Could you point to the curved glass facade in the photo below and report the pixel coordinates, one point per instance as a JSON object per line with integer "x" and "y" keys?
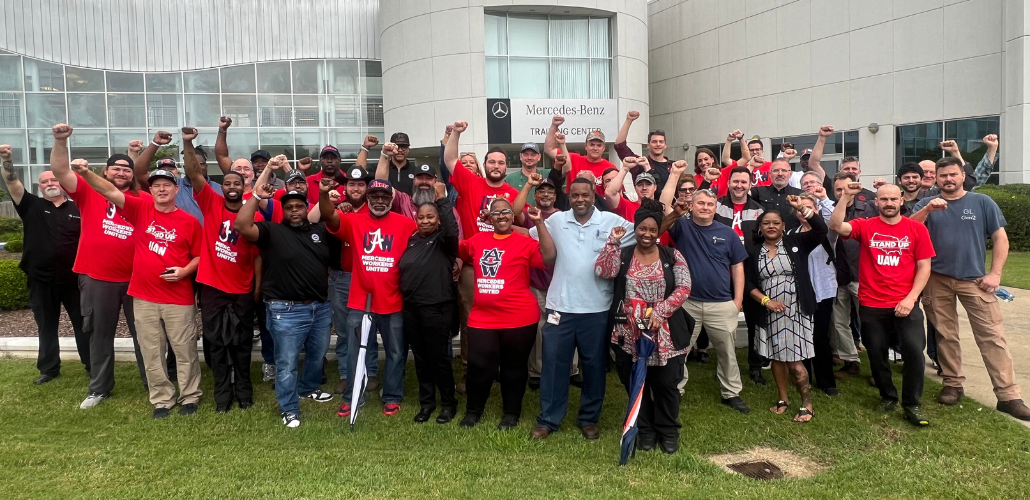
{"x": 286, "y": 107}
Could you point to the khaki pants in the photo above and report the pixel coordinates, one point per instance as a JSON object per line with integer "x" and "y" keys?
{"x": 842, "y": 340}
{"x": 720, "y": 321}
{"x": 988, "y": 331}
{"x": 536, "y": 356}
{"x": 154, "y": 324}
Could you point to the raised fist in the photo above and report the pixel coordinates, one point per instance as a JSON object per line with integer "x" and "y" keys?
{"x": 189, "y": 133}
{"x": 557, "y": 120}
{"x": 949, "y": 146}
{"x": 853, "y": 188}
{"x": 679, "y": 166}
{"x": 732, "y": 136}
{"x": 135, "y": 146}
{"x": 534, "y": 179}
{"x": 325, "y": 184}
{"x": 559, "y": 137}
{"x": 62, "y": 131}
{"x": 712, "y": 174}
{"x": 629, "y": 162}
{"x": 560, "y": 160}
{"x": 991, "y": 140}
{"x": 879, "y": 182}
{"x": 224, "y": 123}
{"x": 80, "y": 165}
{"x": 819, "y": 192}
{"x": 334, "y": 197}
{"x": 5, "y": 151}
{"x": 162, "y": 138}
{"x": 448, "y": 130}
{"x": 789, "y": 154}
{"x": 757, "y": 161}
{"x": 279, "y": 161}
{"x": 304, "y": 164}
{"x": 389, "y": 149}
{"x": 460, "y": 127}
{"x": 937, "y": 204}
{"x": 825, "y": 130}
{"x": 617, "y": 233}
{"x": 632, "y": 115}
{"x": 535, "y": 215}
{"x": 441, "y": 190}
{"x": 370, "y": 141}
{"x": 266, "y": 189}
{"x": 794, "y": 201}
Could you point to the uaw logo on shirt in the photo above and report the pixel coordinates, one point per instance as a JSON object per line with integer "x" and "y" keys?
{"x": 111, "y": 225}
{"x": 490, "y": 262}
{"x": 375, "y": 239}
{"x": 111, "y": 210}
{"x": 757, "y": 177}
{"x": 227, "y": 233}
{"x": 163, "y": 237}
{"x": 890, "y": 248}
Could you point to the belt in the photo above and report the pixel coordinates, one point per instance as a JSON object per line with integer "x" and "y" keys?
{"x": 291, "y": 302}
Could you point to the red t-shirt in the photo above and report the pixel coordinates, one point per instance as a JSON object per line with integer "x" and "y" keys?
{"x": 759, "y": 177}
{"x": 347, "y": 251}
{"x": 313, "y": 193}
{"x": 627, "y": 209}
{"x": 377, "y": 248}
{"x": 107, "y": 242}
{"x": 163, "y": 240}
{"x": 475, "y": 195}
{"x": 738, "y": 211}
{"x": 580, "y": 163}
{"x": 227, "y": 259}
{"x": 887, "y": 258}
{"x": 501, "y": 297}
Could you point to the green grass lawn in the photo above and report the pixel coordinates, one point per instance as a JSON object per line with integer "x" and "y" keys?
{"x": 1017, "y": 270}
{"x": 53, "y": 449}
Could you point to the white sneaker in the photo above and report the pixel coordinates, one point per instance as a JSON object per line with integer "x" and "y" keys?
{"x": 290, "y": 420}
{"x": 268, "y": 372}
{"x": 92, "y": 400}
{"x": 319, "y": 396}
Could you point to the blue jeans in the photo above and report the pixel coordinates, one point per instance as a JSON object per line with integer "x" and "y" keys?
{"x": 391, "y": 327}
{"x": 295, "y": 326}
{"x": 267, "y": 344}
{"x": 585, "y": 332}
{"x": 339, "y": 289}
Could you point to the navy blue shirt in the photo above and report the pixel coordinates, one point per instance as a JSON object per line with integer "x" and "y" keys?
{"x": 710, "y": 252}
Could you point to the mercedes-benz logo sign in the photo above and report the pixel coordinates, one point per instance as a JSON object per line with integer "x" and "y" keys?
{"x": 499, "y": 109}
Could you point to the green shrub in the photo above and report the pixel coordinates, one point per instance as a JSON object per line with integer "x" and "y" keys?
{"x": 15, "y": 246}
{"x": 14, "y": 292}
{"x": 10, "y": 225}
{"x": 1014, "y": 201}
{"x": 11, "y": 236}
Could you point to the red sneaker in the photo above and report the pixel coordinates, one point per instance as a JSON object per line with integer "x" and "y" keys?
{"x": 344, "y": 410}
{"x": 390, "y": 409}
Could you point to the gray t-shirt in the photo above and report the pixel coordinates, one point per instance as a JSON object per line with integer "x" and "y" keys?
{"x": 959, "y": 234}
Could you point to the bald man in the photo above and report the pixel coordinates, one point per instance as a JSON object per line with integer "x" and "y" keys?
{"x": 51, "y": 228}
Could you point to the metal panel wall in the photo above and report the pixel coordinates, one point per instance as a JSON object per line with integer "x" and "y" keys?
{"x": 181, "y": 35}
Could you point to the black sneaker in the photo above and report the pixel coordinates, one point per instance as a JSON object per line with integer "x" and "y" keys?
{"x": 44, "y": 379}
{"x": 915, "y": 415}
{"x": 645, "y": 442}
{"x": 703, "y": 358}
{"x": 508, "y": 422}
{"x": 756, "y": 377}
{"x": 160, "y": 413}
{"x": 423, "y": 415}
{"x": 534, "y": 383}
{"x": 446, "y": 415}
{"x": 737, "y": 404}
{"x": 469, "y": 421}
{"x": 188, "y": 409}
{"x": 886, "y": 406}
{"x": 319, "y": 396}
{"x": 290, "y": 420}
{"x": 669, "y": 445}
{"x": 221, "y": 408}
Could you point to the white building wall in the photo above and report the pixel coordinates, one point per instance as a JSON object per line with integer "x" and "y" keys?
{"x": 785, "y": 67}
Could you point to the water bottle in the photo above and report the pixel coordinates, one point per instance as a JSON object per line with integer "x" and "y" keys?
{"x": 1004, "y": 295}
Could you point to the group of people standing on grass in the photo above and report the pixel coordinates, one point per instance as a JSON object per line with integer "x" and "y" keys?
{"x": 548, "y": 274}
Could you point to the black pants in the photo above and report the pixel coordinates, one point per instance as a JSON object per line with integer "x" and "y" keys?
{"x": 228, "y": 321}
{"x": 101, "y": 302}
{"x": 427, "y": 329}
{"x": 491, "y": 350}
{"x": 931, "y": 341}
{"x": 45, "y": 299}
{"x": 660, "y": 402}
{"x": 754, "y": 360}
{"x": 820, "y": 368}
{"x": 882, "y": 329}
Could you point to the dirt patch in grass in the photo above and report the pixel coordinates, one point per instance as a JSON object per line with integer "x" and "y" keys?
{"x": 792, "y": 464}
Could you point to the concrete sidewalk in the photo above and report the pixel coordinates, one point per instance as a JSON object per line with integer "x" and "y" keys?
{"x": 1017, "y": 333}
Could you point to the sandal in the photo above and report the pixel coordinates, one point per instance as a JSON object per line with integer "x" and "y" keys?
{"x": 803, "y": 412}
{"x": 781, "y": 404}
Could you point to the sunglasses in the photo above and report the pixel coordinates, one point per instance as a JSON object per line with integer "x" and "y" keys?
{"x": 499, "y": 213}
{"x": 404, "y": 147}
{"x": 686, "y": 190}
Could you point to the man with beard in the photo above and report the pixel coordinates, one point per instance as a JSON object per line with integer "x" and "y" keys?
{"x": 382, "y": 236}
{"x": 530, "y": 159}
{"x": 184, "y": 199}
{"x": 910, "y": 179}
{"x": 851, "y": 165}
{"x": 423, "y": 187}
{"x": 226, "y": 277}
{"x": 295, "y": 288}
{"x": 657, "y": 164}
{"x": 51, "y": 228}
{"x": 167, "y": 254}
{"x": 329, "y": 161}
{"x": 893, "y": 270}
{"x": 776, "y": 196}
{"x": 959, "y": 223}
{"x": 103, "y": 261}
{"x": 402, "y": 171}
{"x": 592, "y": 161}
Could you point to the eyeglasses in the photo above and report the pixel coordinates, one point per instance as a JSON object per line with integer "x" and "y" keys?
{"x": 499, "y": 213}
{"x": 754, "y": 150}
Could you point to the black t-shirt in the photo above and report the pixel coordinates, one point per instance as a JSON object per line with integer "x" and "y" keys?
{"x": 403, "y": 179}
{"x": 296, "y": 261}
{"x": 51, "y": 239}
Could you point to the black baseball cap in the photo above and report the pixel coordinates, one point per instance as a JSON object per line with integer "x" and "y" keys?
{"x": 261, "y": 153}
{"x": 166, "y": 164}
{"x": 400, "y": 139}
{"x": 294, "y": 175}
{"x": 290, "y": 195}
{"x": 113, "y": 159}
{"x": 160, "y": 174}
{"x": 354, "y": 173}
{"x": 379, "y": 185}
{"x": 425, "y": 170}
{"x": 547, "y": 182}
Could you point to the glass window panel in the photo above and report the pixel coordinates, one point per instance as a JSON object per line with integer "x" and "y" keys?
{"x": 120, "y": 139}
{"x": 969, "y": 134}
{"x": 278, "y": 142}
{"x": 569, "y": 37}
{"x": 174, "y": 146}
{"x": 84, "y": 80}
{"x": 164, "y": 110}
{"x": 600, "y": 46}
{"x": 497, "y": 77}
{"x": 16, "y": 139}
{"x": 600, "y": 78}
{"x": 126, "y": 110}
{"x": 346, "y": 111}
{"x": 87, "y": 110}
{"x": 918, "y": 142}
{"x": 10, "y": 109}
{"x": 242, "y": 142}
{"x": 124, "y": 82}
{"x": 10, "y": 73}
{"x": 349, "y": 141}
{"x": 89, "y": 144}
{"x": 45, "y": 110}
{"x": 238, "y": 79}
{"x": 205, "y": 82}
{"x": 273, "y": 78}
{"x": 372, "y": 78}
{"x": 496, "y": 35}
{"x": 206, "y": 136}
{"x": 308, "y": 110}
{"x": 570, "y": 78}
{"x": 242, "y": 109}
{"x": 373, "y": 111}
{"x": 343, "y": 76}
{"x": 41, "y": 141}
{"x": 202, "y": 110}
{"x": 276, "y": 110}
{"x": 164, "y": 82}
{"x": 43, "y": 76}
{"x": 850, "y": 143}
{"x": 308, "y": 76}
{"x": 310, "y": 142}
{"x": 527, "y": 36}
{"x": 529, "y": 78}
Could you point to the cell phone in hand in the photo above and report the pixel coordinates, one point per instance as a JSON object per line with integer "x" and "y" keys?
{"x": 168, "y": 271}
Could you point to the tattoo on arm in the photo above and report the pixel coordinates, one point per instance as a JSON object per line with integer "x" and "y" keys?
{"x": 9, "y": 171}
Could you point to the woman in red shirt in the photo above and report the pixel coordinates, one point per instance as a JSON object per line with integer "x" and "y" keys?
{"x": 503, "y": 321}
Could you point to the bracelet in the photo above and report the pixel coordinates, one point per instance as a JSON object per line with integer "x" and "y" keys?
{"x": 765, "y": 300}
{"x": 155, "y": 144}
{"x": 366, "y": 149}
{"x": 256, "y": 197}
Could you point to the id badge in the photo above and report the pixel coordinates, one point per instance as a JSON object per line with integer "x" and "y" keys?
{"x": 554, "y": 318}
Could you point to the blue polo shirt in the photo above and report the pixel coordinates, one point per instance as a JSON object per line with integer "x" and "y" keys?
{"x": 185, "y": 200}
{"x": 574, "y": 287}
{"x": 710, "y": 252}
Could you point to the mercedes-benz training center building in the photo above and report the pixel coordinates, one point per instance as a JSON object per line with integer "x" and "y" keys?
{"x": 893, "y": 77}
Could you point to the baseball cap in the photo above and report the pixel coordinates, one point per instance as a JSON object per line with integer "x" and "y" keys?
{"x": 291, "y": 195}
{"x": 595, "y": 135}
{"x": 807, "y": 152}
{"x": 160, "y": 174}
{"x": 294, "y": 175}
{"x": 755, "y": 138}
{"x": 531, "y": 145}
{"x": 261, "y": 153}
{"x": 644, "y": 177}
{"x": 546, "y": 181}
{"x": 400, "y": 139}
{"x": 330, "y": 149}
{"x": 425, "y": 170}
{"x": 120, "y": 157}
{"x": 166, "y": 164}
{"x": 379, "y": 185}
{"x": 357, "y": 174}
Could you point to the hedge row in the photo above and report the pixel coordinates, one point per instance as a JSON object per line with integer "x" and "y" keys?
{"x": 1014, "y": 201}
{"x": 14, "y": 292}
